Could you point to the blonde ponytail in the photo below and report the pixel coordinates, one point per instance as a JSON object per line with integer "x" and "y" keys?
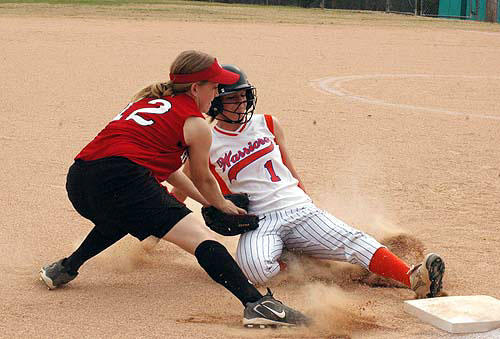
{"x": 186, "y": 63}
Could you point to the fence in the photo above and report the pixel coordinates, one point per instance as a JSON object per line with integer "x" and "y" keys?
{"x": 488, "y": 10}
{"x": 394, "y": 6}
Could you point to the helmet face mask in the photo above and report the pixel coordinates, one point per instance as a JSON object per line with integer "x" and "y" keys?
{"x": 248, "y": 103}
{"x": 217, "y": 110}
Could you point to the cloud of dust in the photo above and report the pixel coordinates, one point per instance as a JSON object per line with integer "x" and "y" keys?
{"x": 124, "y": 256}
{"x": 303, "y": 269}
{"x": 369, "y": 219}
{"x": 336, "y": 312}
{"x": 129, "y": 254}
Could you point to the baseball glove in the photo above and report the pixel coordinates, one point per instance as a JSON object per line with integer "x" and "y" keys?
{"x": 230, "y": 224}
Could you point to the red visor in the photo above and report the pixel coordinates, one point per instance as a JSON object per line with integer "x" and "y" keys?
{"x": 214, "y": 73}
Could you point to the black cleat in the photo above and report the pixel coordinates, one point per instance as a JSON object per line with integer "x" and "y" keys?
{"x": 55, "y": 275}
{"x": 426, "y": 278}
{"x": 269, "y": 312}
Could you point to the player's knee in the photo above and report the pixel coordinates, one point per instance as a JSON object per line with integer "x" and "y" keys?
{"x": 188, "y": 234}
{"x": 270, "y": 269}
{"x": 261, "y": 272}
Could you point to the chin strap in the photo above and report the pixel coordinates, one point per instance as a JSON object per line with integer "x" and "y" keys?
{"x": 229, "y": 121}
{"x": 243, "y": 117}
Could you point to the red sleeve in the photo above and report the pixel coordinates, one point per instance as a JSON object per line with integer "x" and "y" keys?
{"x": 269, "y": 123}
{"x": 223, "y": 187}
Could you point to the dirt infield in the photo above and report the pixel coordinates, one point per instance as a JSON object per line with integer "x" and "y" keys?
{"x": 400, "y": 138}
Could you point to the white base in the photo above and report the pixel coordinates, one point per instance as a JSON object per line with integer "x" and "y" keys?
{"x": 458, "y": 314}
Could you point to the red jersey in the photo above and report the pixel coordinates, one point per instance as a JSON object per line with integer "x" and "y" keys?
{"x": 148, "y": 132}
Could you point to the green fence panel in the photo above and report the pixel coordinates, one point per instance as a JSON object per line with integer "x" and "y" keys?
{"x": 453, "y": 8}
{"x": 473, "y": 9}
{"x": 444, "y": 7}
{"x": 477, "y": 9}
{"x": 498, "y": 12}
{"x": 463, "y": 8}
{"x": 482, "y": 10}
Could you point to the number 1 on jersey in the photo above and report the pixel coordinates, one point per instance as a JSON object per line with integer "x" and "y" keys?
{"x": 269, "y": 167}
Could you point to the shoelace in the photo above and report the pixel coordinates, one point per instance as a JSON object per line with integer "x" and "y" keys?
{"x": 270, "y": 294}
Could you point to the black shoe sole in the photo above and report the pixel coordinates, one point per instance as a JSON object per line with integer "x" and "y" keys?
{"x": 435, "y": 266}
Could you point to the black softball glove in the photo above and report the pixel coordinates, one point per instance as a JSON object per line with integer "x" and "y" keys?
{"x": 230, "y": 224}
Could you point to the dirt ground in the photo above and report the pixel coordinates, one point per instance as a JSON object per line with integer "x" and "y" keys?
{"x": 400, "y": 137}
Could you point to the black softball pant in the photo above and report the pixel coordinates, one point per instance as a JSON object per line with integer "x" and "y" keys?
{"x": 121, "y": 197}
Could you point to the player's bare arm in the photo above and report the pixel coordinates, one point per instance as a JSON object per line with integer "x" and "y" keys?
{"x": 180, "y": 195}
{"x": 280, "y": 140}
{"x": 198, "y": 137}
{"x": 184, "y": 187}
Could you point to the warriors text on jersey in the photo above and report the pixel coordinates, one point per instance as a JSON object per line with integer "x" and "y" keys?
{"x": 148, "y": 132}
{"x": 249, "y": 160}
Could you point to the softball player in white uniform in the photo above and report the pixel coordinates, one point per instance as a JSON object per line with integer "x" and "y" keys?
{"x": 249, "y": 160}
{"x": 248, "y": 155}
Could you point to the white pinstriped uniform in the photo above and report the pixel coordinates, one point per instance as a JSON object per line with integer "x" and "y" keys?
{"x": 249, "y": 161}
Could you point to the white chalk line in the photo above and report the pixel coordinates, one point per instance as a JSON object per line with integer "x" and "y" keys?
{"x": 480, "y": 32}
{"x": 333, "y": 85}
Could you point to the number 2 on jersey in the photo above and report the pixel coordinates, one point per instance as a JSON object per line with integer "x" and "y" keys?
{"x": 164, "y": 107}
{"x": 269, "y": 167}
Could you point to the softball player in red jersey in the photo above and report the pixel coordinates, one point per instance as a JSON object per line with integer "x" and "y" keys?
{"x": 249, "y": 155}
{"x": 116, "y": 183}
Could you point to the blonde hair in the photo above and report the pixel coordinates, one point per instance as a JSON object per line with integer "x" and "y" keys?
{"x": 186, "y": 63}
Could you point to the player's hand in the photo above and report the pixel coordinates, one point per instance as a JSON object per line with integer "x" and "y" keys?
{"x": 231, "y": 221}
{"x": 231, "y": 208}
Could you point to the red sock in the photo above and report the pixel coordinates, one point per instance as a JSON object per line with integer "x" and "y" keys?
{"x": 388, "y": 265}
{"x": 283, "y": 265}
